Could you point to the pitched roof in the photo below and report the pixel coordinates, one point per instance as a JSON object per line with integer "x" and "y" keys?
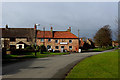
{"x": 115, "y": 41}
{"x": 17, "y": 32}
{"x": 44, "y": 34}
{"x": 55, "y": 34}
{"x": 64, "y": 34}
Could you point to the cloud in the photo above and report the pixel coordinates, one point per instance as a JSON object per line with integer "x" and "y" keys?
{"x": 86, "y": 16}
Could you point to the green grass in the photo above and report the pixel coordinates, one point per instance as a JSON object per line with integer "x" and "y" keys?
{"x": 102, "y": 49}
{"x": 32, "y": 55}
{"x": 9, "y": 56}
{"x": 103, "y": 65}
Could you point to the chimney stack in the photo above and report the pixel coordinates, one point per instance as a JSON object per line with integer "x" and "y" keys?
{"x": 69, "y": 29}
{"x": 35, "y": 27}
{"x": 51, "y": 29}
{"x": 6, "y": 26}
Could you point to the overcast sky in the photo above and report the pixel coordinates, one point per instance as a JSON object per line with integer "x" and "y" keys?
{"x": 86, "y": 16}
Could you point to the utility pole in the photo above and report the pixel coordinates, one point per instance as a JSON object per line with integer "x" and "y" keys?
{"x": 44, "y": 36}
{"x": 36, "y": 37}
{"x": 78, "y": 33}
{"x": 78, "y": 39}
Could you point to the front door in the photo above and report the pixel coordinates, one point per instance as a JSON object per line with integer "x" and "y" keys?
{"x": 62, "y": 48}
{"x": 20, "y": 46}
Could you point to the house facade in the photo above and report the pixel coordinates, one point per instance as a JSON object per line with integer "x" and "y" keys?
{"x": 115, "y": 43}
{"x": 58, "y": 40}
{"x": 18, "y": 38}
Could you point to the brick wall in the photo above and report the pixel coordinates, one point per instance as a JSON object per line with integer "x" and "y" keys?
{"x": 52, "y": 43}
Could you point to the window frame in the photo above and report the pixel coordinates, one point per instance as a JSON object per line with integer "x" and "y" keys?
{"x": 56, "y": 46}
{"x": 49, "y": 40}
{"x": 70, "y": 48}
{"x": 63, "y": 46}
{"x": 11, "y": 39}
{"x": 70, "y": 40}
{"x": 49, "y": 46}
{"x": 56, "y": 40}
{"x": 41, "y": 40}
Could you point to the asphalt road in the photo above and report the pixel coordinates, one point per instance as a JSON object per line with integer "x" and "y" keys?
{"x": 49, "y": 67}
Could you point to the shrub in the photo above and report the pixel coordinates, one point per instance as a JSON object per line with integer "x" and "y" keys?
{"x": 31, "y": 48}
{"x": 3, "y": 51}
{"x": 42, "y": 49}
{"x": 86, "y": 46}
{"x": 56, "y": 51}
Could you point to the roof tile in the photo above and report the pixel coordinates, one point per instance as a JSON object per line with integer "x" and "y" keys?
{"x": 56, "y": 34}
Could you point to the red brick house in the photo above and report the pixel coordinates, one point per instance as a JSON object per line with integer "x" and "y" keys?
{"x": 58, "y": 40}
{"x": 115, "y": 43}
{"x": 81, "y": 42}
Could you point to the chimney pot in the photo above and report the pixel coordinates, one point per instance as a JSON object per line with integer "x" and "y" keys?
{"x": 35, "y": 27}
{"x": 51, "y": 29}
{"x": 69, "y": 29}
{"x": 6, "y": 26}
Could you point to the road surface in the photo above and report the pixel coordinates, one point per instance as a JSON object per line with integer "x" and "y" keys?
{"x": 49, "y": 67}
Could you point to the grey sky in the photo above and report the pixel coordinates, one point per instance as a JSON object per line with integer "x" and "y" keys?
{"x": 86, "y": 16}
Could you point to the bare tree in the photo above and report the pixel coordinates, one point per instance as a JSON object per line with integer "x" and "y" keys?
{"x": 103, "y": 36}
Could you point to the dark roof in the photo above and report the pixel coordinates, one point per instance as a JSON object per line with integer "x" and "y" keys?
{"x": 17, "y": 32}
{"x": 56, "y": 34}
{"x": 20, "y": 42}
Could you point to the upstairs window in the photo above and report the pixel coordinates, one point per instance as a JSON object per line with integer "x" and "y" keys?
{"x": 42, "y": 40}
{"x": 49, "y": 40}
{"x": 56, "y": 41}
{"x": 70, "y": 41}
{"x": 27, "y": 39}
{"x": 12, "y": 39}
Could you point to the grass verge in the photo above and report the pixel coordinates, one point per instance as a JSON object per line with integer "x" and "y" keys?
{"x": 103, "y": 65}
{"x": 32, "y": 55}
{"x": 7, "y": 59}
{"x": 102, "y": 49}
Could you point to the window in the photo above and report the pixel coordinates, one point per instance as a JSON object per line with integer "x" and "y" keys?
{"x": 12, "y": 39}
{"x": 27, "y": 39}
{"x": 56, "y": 41}
{"x": 12, "y": 47}
{"x": 62, "y": 47}
{"x": 42, "y": 40}
{"x": 56, "y": 47}
{"x": 70, "y": 41}
{"x": 70, "y": 47}
{"x": 48, "y": 46}
{"x": 49, "y": 40}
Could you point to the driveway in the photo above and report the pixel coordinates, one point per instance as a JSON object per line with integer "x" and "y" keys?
{"x": 49, "y": 67}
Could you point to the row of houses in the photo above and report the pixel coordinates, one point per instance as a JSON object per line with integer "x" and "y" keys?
{"x": 20, "y": 38}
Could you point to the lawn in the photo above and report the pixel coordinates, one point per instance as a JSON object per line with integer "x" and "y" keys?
{"x": 103, "y": 65}
{"x": 45, "y": 54}
{"x": 102, "y": 49}
{"x": 28, "y": 55}
{"x": 32, "y": 55}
